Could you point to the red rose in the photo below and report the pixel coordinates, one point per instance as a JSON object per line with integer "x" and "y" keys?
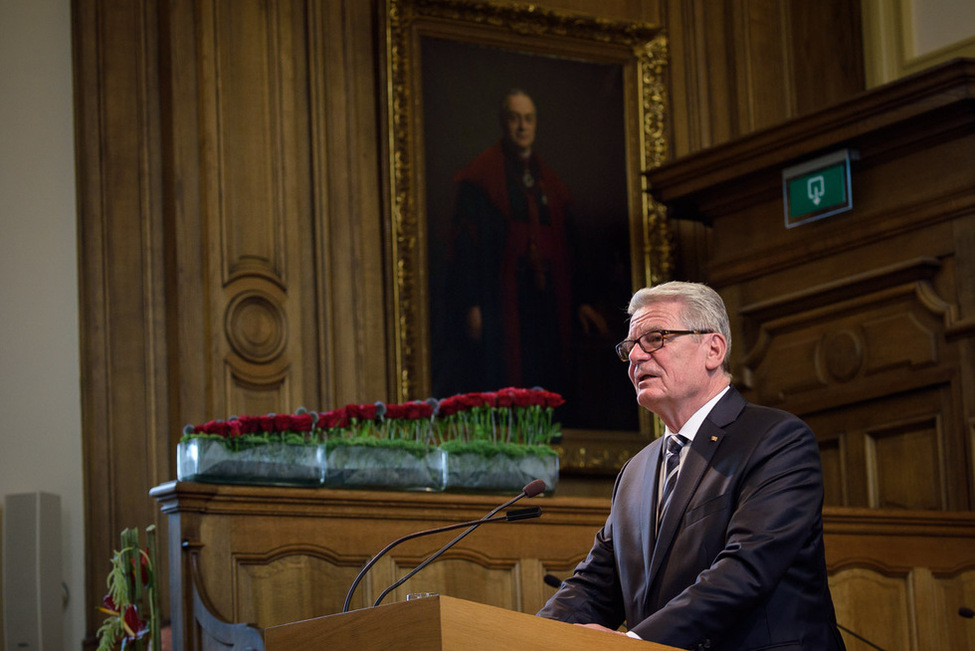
{"x": 282, "y": 422}
{"x": 479, "y": 399}
{"x": 334, "y": 419}
{"x": 450, "y": 406}
{"x": 421, "y": 410}
{"x": 505, "y": 397}
{"x": 302, "y": 422}
{"x": 249, "y": 424}
{"x": 367, "y": 412}
{"x": 214, "y": 427}
{"x": 396, "y": 411}
{"x": 552, "y": 399}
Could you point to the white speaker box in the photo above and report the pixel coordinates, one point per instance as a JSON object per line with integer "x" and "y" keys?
{"x": 32, "y": 597}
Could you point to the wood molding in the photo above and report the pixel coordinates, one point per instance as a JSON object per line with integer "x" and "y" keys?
{"x": 932, "y": 104}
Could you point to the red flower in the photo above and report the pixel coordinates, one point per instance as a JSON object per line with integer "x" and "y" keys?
{"x": 418, "y": 410}
{"x": 396, "y": 411}
{"x": 218, "y": 427}
{"x": 453, "y": 404}
{"x": 144, "y": 566}
{"x": 479, "y": 399}
{"x": 524, "y": 398}
{"x": 361, "y": 412}
{"x": 249, "y": 424}
{"x": 134, "y": 626}
{"x": 108, "y": 605}
{"x": 334, "y": 419}
{"x": 282, "y": 422}
{"x": 552, "y": 399}
{"x": 302, "y": 422}
{"x": 267, "y": 424}
{"x": 505, "y": 397}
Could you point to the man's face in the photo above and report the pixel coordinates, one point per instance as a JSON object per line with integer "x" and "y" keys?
{"x": 670, "y": 380}
{"x": 518, "y": 122}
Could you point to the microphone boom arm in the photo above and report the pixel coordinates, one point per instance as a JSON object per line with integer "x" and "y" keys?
{"x": 415, "y": 534}
{"x": 532, "y": 489}
{"x": 532, "y": 512}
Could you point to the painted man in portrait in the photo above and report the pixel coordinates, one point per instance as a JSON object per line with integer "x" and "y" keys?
{"x": 514, "y": 292}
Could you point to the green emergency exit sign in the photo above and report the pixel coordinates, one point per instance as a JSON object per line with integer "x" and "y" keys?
{"x": 817, "y": 188}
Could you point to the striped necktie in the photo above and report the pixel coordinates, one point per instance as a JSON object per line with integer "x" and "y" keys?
{"x": 675, "y": 443}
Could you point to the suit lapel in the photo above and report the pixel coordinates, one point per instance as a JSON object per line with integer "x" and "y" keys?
{"x": 698, "y": 460}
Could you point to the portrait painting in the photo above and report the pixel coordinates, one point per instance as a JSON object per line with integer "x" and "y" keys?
{"x": 521, "y": 228}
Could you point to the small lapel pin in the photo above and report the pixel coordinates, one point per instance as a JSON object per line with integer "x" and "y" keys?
{"x": 714, "y": 438}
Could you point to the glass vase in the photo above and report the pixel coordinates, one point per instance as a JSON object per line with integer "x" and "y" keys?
{"x": 272, "y": 463}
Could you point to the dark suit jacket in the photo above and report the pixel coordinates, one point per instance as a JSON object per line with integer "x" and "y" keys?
{"x": 738, "y": 562}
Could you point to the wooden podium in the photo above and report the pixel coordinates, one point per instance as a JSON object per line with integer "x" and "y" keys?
{"x": 442, "y": 624}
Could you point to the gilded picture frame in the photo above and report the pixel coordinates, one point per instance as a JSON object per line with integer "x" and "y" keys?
{"x": 625, "y": 62}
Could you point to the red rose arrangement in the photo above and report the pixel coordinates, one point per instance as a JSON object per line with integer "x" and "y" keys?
{"x": 517, "y": 420}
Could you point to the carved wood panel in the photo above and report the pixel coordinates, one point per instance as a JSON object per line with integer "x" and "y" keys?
{"x": 270, "y": 556}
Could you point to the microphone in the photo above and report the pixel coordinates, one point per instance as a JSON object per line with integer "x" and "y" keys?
{"x": 552, "y": 580}
{"x": 968, "y": 613}
{"x": 859, "y": 637}
{"x": 531, "y": 490}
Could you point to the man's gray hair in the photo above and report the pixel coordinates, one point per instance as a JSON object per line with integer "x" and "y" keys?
{"x": 701, "y": 307}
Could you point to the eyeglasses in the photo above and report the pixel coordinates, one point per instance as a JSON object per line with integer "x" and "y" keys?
{"x": 653, "y": 340}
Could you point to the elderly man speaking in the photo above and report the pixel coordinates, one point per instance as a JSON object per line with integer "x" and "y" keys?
{"x": 715, "y": 535}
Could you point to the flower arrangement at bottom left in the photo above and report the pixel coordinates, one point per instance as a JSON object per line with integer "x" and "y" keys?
{"x": 132, "y": 601}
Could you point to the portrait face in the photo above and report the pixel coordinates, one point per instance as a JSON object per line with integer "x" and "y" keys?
{"x": 678, "y": 378}
{"x": 518, "y": 122}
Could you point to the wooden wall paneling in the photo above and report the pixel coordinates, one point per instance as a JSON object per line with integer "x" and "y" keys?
{"x": 350, "y": 254}
{"x": 890, "y": 478}
{"x": 874, "y": 606}
{"x": 953, "y": 591}
{"x": 700, "y": 75}
{"x": 906, "y": 464}
{"x": 121, "y": 272}
{"x": 272, "y": 555}
{"x": 742, "y": 66}
{"x": 845, "y": 336}
{"x": 899, "y": 576}
{"x": 830, "y": 354}
{"x": 254, "y": 202}
{"x": 190, "y": 347}
{"x": 832, "y": 452}
{"x": 826, "y": 53}
{"x": 932, "y": 619}
{"x": 765, "y": 92}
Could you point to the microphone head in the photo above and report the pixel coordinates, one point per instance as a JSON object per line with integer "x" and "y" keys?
{"x": 534, "y": 488}
{"x": 966, "y": 612}
{"x": 552, "y": 580}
